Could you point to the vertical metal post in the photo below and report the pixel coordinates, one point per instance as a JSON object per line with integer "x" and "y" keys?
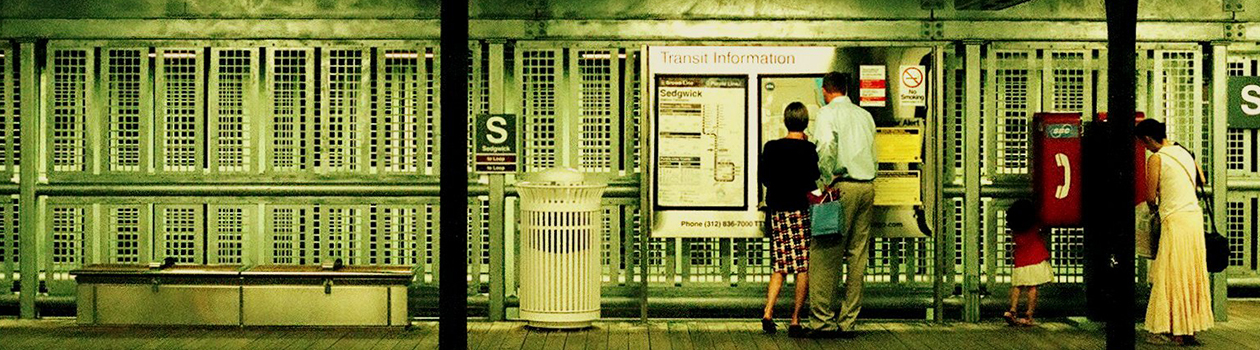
{"x": 497, "y": 233}
{"x": 1220, "y": 187}
{"x": 971, "y": 180}
{"x": 509, "y": 98}
{"x": 937, "y": 162}
{"x": 568, "y": 116}
{"x": 1118, "y": 203}
{"x": 989, "y": 218}
{"x": 645, "y": 218}
{"x": 28, "y": 209}
{"x": 453, "y": 193}
{"x": 496, "y": 308}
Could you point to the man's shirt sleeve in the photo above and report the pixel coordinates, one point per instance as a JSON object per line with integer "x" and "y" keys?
{"x": 826, "y": 145}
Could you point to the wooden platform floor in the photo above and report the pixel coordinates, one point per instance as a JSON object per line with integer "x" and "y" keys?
{"x": 1242, "y": 332}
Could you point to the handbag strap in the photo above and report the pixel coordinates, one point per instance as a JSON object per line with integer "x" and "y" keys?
{"x": 1198, "y": 186}
{"x": 1184, "y": 168}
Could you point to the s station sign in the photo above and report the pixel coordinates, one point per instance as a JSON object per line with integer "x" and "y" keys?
{"x": 1244, "y": 102}
{"x": 495, "y": 144}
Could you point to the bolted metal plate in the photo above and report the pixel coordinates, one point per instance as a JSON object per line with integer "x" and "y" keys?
{"x": 985, "y": 5}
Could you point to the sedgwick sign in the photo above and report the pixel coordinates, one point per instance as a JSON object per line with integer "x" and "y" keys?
{"x": 1244, "y": 102}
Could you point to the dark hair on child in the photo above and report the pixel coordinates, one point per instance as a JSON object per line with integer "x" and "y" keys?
{"x": 796, "y": 117}
{"x": 1020, "y": 216}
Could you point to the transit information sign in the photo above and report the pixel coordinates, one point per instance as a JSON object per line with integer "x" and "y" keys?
{"x": 701, "y": 129}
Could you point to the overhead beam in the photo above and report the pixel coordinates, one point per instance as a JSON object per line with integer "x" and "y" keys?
{"x": 648, "y": 30}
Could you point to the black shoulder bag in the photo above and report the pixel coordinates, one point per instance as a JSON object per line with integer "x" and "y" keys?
{"x": 1216, "y": 244}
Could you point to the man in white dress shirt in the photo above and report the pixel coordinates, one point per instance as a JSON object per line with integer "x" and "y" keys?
{"x": 845, "y": 138}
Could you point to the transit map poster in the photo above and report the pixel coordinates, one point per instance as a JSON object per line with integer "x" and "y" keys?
{"x": 709, "y": 109}
{"x": 701, "y": 130}
{"x": 703, "y": 134}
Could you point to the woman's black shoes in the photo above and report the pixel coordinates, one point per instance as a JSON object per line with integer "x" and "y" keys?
{"x": 796, "y": 331}
{"x": 768, "y": 326}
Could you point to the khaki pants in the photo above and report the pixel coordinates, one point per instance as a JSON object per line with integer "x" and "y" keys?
{"x": 828, "y": 254}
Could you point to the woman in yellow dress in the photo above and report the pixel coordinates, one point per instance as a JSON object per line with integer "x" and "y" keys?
{"x": 1181, "y": 299}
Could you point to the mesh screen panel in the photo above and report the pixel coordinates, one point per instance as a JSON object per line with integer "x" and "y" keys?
{"x": 539, "y": 75}
{"x": 181, "y": 234}
{"x": 231, "y": 130}
{"x": 290, "y": 87}
{"x": 597, "y": 108}
{"x": 69, "y": 90}
{"x": 125, "y": 75}
{"x": 127, "y": 236}
{"x": 337, "y": 134}
{"x": 401, "y": 125}
{"x": 179, "y": 96}
{"x": 1013, "y": 118}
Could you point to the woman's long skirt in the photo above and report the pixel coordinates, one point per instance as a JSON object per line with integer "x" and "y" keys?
{"x": 1181, "y": 296}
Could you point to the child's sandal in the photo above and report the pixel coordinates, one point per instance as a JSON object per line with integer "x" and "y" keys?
{"x": 1027, "y": 321}
{"x": 1010, "y": 318}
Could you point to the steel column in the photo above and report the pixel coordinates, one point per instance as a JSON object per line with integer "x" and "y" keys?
{"x": 497, "y": 233}
{"x": 454, "y": 176}
{"x": 1118, "y": 203}
{"x": 971, "y": 179}
{"x": 1219, "y": 120}
{"x": 936, "y": 160}
{"x": 28, "y": 208}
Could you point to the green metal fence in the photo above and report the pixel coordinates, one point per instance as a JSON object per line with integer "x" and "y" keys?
{"x": 356, "y": 122}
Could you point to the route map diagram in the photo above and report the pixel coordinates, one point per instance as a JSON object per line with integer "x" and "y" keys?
{"x": 701, "y": 135}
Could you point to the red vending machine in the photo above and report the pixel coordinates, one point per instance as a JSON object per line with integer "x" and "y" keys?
{"x": 1139, "y": 162}
{"x": 1056, "y": 168}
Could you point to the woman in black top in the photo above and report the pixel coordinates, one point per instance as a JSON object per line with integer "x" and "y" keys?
{"x": 788, "y": 168}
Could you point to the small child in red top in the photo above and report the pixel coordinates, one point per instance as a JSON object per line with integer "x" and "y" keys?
{"x": 1032, "y": 260}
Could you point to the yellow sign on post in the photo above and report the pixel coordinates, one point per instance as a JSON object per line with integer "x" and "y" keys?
{"x": 899, "y": 145}
{"x": 898, "y": 187}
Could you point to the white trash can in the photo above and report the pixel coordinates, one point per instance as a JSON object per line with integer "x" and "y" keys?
{"x": 561, "y": 219}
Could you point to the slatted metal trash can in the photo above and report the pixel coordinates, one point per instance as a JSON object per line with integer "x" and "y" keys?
{"x": 561, "y": 219}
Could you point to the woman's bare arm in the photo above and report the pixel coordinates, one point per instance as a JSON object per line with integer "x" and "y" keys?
{"x": 1202, "y": 179}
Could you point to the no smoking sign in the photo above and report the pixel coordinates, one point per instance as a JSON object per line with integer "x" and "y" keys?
{"x": 912, "y": 91}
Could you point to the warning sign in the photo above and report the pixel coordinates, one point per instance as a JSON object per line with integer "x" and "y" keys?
{"x": 898, "y": 187}
{"x": 873, "y": 86}
{"x": 913, "y": 91}
{"x": 899, "y": 145}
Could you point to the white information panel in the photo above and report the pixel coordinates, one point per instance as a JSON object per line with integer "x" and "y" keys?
{"x": 702, "y": 149}
{"x": 701, "y": 135}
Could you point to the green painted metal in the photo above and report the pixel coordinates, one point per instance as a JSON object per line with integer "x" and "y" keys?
{"x": 29, "y": 232}
{"x": 1217, "y": 137}
{"x": 242, "y": 197}
{"x": 937, "y": 161}
{"x": 971, "y": 177}
{"x": 497, "y": 199}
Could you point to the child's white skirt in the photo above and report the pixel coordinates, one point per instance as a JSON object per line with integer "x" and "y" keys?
{"x": 1032, "y": 275}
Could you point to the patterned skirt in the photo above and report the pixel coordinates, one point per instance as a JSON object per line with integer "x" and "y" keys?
{"x": 789, "y": 243}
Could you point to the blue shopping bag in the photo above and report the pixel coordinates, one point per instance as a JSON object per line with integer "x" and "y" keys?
{"x": 827, "y": 217}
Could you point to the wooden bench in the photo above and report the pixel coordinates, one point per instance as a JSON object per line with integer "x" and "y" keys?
{"x": 241, "y": 296}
